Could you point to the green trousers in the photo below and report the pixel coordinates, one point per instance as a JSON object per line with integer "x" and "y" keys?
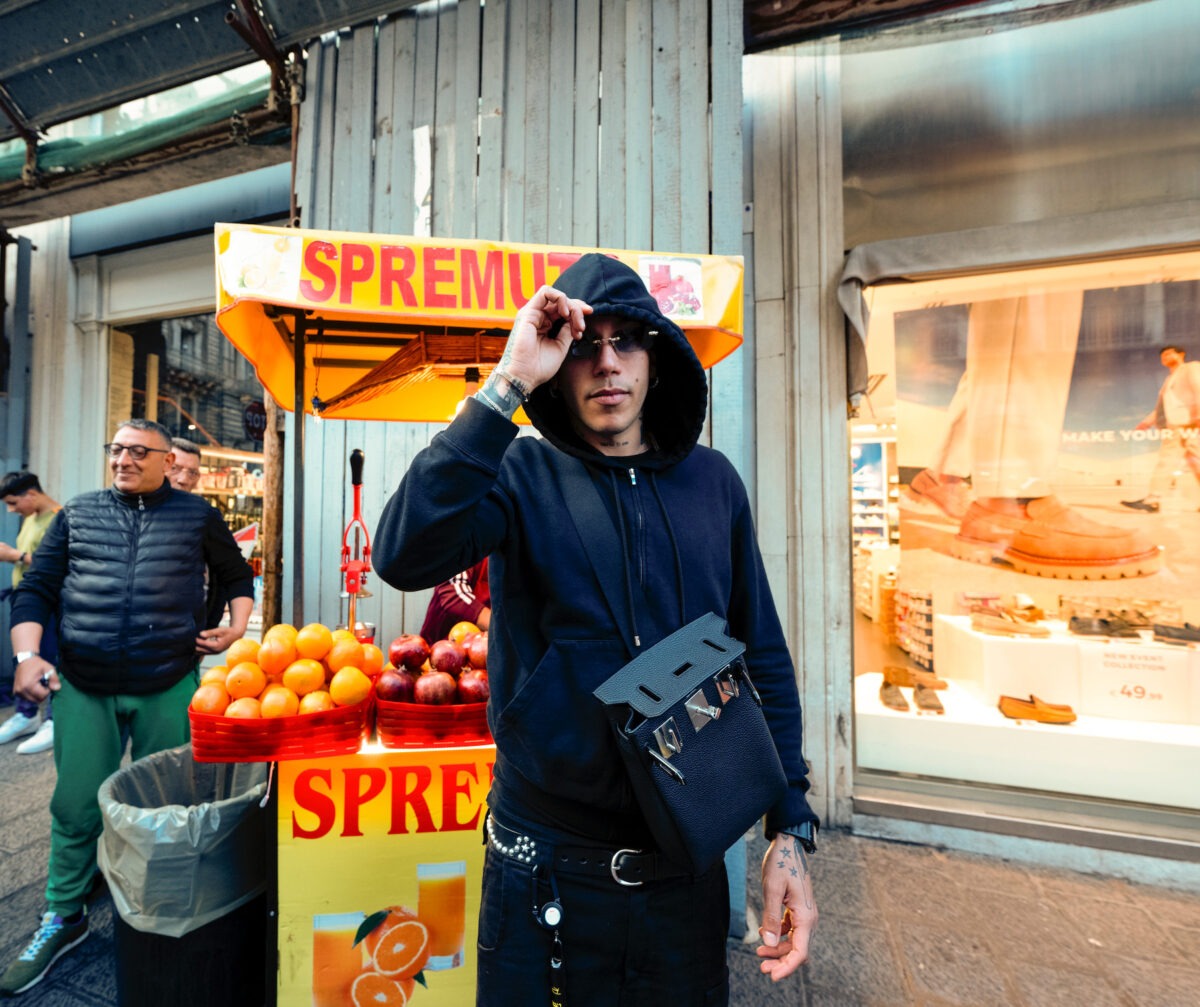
{"x": 90, "y": 735}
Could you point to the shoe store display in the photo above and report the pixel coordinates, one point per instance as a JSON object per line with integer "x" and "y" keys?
{"x": 1001, "y": 622}
{"x": 1149, "y": 506}
{"x": 1177, "y": 634}
{"x": 891, "y": 697}
{"x": 1036, "y": 709}
{"x": 42, "y": 740}
{"x": 909, "y": 677}
{"x": 1048, "y": 539}
{"x": 951, "y": 496}
{"x": 54, "y": 938}
{"x": 927, "y": 700}
{"x": 1112, "y": 625}
{"x": 1022, "y": 607}
{"x": 17, "y": 726}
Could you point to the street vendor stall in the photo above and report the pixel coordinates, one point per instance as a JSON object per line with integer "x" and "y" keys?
{"x": 378, "y": 845}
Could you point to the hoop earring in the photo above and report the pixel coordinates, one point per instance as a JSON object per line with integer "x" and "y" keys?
{"x": 654, "y": 383}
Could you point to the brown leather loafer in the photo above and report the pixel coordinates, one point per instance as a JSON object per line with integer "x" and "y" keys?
{"x": 1048, "y": 539}
{"x": 1001, "y": 622}
{"x": 1036, "y": 709}
{"x": 908, "y": 678}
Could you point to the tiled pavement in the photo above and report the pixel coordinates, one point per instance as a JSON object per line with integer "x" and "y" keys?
{"x": 900, "y": 924}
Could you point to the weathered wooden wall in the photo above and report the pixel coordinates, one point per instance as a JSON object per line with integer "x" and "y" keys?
{"x": 794, "y": 206}
{"x": 502, "y": 108}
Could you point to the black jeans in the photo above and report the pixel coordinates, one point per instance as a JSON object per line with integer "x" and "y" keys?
{"x": 660, "y": 943}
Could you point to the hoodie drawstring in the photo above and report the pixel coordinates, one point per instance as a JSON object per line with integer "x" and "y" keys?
{"x": 616, "y": 490}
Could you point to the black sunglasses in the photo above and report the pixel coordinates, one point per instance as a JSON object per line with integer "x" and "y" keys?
{"x": 624, "y": 342}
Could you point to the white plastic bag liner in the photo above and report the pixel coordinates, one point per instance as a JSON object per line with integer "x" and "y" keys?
{"x": 183, "y": 841}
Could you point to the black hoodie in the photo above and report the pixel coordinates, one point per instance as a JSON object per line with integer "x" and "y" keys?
{"x": 682, "y": 522}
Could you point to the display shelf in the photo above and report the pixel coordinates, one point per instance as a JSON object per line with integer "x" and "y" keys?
{"x": 914, "y": 626}
{"x": 1094, "y": 757}
{"x": 1127, "y": 679}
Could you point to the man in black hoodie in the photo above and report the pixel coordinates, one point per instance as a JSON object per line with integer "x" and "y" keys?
{"x": 617, "y": 392}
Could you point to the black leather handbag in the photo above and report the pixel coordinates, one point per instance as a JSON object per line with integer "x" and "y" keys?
{"x": 690, "y": 727}
{"x": 687, "y": 719}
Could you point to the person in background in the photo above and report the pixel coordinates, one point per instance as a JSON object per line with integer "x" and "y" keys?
{"x": 124, "y": 569}
{"x": 184, "y": 473}
{"x": 1176, "y": 415}
{"x": 22, "y": 494}
{"x": 615, "y": 388}
{"x": 465, "y": 597}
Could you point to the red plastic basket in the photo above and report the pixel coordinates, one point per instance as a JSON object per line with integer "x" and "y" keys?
{"x": 339, "y": 731}
{"x": 418, "y": 725}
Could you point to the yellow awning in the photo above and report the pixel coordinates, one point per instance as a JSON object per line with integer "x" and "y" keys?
{"x": 392, "y": 327}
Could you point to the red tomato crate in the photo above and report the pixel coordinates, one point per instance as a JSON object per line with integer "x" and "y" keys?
{"x": 339, "y": 731}
{"x": 420, "y": 725}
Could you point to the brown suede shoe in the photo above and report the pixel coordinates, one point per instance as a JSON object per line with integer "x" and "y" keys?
{"x": 891, "y": 696}
{"x": 927, "y": 700}
{"x": 951, "y": 496}
{"x": 1048, "y": 539}
{"x": 910, "y": 677}
{"x": 1036, "y": 709}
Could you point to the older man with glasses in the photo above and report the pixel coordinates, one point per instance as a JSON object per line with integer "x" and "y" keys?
{"x": 124, "y": 568}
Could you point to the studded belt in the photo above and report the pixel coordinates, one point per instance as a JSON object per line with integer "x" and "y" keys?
{"x": 626, "y": 867}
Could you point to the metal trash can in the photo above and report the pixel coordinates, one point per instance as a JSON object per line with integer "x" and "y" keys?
{"x": 184, "y": 852}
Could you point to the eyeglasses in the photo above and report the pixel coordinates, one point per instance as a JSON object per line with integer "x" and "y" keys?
{"x": 136, "y": 451}
{"x": 182, "y": 470}
{"x": 624, "y": 343}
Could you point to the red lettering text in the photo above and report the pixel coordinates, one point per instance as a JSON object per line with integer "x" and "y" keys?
{"x": 356, "y": 795}
{"x": 358, "y": 263}
{"x": 454, "y": 785}
{"x": 409, "y": 784}
{"x": 435, "y": 275}
{"x": 310, "y": 799}
{"x": 401, "y": 278}
{"x": 487, "y": 288}
{"x": 315, "y": 255}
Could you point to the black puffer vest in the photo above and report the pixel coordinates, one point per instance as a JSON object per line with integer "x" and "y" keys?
{"x": 133, "y": 600}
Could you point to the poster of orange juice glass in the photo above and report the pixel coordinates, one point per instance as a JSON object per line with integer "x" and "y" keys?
{"x": 380, "y": 859}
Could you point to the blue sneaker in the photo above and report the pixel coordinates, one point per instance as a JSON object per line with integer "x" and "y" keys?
{"x": 54, "y": 938}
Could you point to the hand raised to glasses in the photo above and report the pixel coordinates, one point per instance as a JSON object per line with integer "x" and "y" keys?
{"x": 537, "y": 343}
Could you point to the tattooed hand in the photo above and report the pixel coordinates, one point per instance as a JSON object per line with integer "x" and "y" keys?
{"x": 789, "y": 909}
{"x": 541, "y": 335}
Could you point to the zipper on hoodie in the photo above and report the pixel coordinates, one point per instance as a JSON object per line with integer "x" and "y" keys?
{"x": 639, "y": 525}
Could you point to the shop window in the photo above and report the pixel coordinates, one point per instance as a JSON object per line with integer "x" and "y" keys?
{"x": 1026, "y": 523}
{"x": 178, "y": 371}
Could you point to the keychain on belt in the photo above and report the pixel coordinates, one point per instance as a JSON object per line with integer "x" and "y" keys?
{"x": 549, "y": 917}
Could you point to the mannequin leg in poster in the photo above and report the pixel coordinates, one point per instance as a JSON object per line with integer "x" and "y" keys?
{"x": 1005, "y": 424}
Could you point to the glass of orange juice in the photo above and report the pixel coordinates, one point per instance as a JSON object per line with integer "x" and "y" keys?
{"x": 441, "y": 901}
{"x": 336, "y": 961}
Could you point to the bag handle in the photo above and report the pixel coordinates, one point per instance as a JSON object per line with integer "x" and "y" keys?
{"x": 599, "y": 538}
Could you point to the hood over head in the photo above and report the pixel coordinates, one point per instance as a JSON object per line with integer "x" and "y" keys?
{"x": 675, "y": 408}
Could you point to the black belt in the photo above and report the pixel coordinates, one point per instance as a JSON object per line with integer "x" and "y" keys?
{"x": 625, "y": 866}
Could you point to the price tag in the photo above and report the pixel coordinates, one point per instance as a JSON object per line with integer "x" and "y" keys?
{"x": 1131, "y": 682}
